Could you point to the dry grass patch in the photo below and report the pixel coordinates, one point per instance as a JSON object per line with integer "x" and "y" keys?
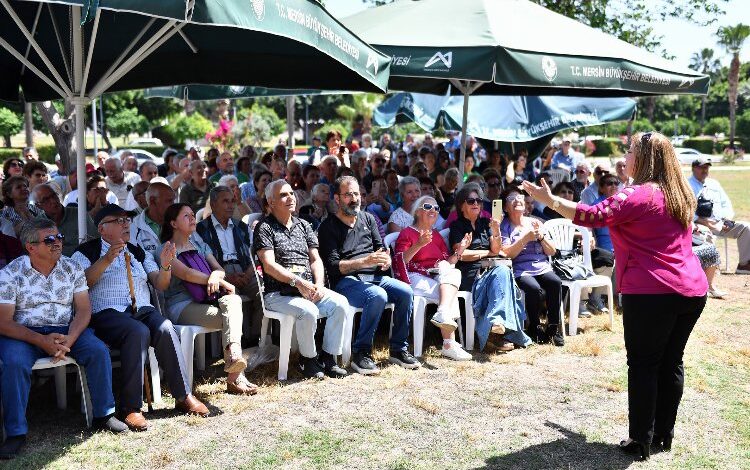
{"x": 422, "y": 404}
{"x": 585, "y": 346}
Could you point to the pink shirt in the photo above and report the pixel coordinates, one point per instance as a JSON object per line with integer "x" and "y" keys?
{"x": 426, "y": 258}
{"x": 653, "y": 252}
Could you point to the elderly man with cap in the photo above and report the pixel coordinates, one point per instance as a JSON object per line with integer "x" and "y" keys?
{"x": 566, "y": 158}
{"x": 591, "y": 193}
{"x": 146, "y": 227}
{"x": 118, "y": 274}
{"x": 720, "y": 219}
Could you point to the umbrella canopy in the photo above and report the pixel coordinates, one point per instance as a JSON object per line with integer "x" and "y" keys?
{"x": 503, "y": 118}
{"x": 131, "y": 44}
{"x": 79, "y": 49}
{"x": 512, "y": 47}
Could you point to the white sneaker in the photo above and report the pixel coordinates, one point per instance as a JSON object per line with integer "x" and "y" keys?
{"x": 441, "y": 320}
{"x": 456, "y": 352}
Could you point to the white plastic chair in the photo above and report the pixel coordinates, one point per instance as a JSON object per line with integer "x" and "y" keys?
{"x": 249, "y": 219}
{"x": 61, "y": 385}
{"x": 193, "y": 341}
{"x": 558, "y": 175}
{"x": 199, "y": 215}
{"x": 562, "y": 232}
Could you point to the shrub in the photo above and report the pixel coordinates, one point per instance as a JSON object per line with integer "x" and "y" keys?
{"x": 46, "y": 153}
{"x": 716, "y": 125}
{"x": 183, "y": 128}
{"x": 606, "y": 147}
{"x": 126, "y": 122}
{"x": 701, "y": 144}
{"x": 10, "y": 124}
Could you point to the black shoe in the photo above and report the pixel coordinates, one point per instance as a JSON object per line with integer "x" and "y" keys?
{"x": 110, "y": 423}
{"x": 12, "y": 446}
{"x": 330, "y": 367}
{"x": 310, "y": 368}
{"x": 641, "y": 451}
{"x": 404, "y": 359}
{"x": 364, "y": 364}
{"x": 555, "y": 335}
{"x": 538, "y": 335}
{"x": 662, "y": 443}
{"x": 596, "y": 305}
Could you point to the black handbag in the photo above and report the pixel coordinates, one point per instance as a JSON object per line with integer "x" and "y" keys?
{"x": 705, "y": 207}
{"x": 568, "y": 265}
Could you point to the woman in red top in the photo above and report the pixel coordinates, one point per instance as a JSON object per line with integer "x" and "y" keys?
{"x": 420, "y": 248}
{"x": 661, "y": 281}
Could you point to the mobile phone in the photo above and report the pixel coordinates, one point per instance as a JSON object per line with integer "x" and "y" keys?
{"x": 729, "y": 223}
{"x": 342, "y": 149}
{"x": 497, "y": 209}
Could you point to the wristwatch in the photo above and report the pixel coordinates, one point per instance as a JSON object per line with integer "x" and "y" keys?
{"x": 555, "y": 204}
{"x": 293, "y": 282}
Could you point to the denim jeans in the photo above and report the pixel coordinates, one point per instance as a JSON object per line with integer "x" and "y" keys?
{"x": 332, "y": 306}
{"x": 18, "y": 357}
{"x": 371, "y": 297}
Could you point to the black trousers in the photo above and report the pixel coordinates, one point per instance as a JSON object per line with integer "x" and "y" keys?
{"x": 132, "y": 335}
{"x": 547, "y": 287}
{"x": 657, "y": 328}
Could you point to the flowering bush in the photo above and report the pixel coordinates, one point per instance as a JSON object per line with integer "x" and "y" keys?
{"x": 224, "y": 138}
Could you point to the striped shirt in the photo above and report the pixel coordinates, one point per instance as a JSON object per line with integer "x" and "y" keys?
{"x": 112, "y": 290}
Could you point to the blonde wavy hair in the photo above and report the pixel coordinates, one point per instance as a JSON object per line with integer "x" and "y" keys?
{"x": 656, "y": 162}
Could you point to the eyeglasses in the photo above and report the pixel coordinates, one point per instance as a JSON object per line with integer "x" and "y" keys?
{"x": 514, "y": 197}
{"x": 50, "y": 240}
{"x": 351, "y": 194}
{"x": 601, "y": 172}
{"x": 16, "y": 165}
{"x": 118, "y": 221}
{"x": 430, "y": 207}
{"x": 472, "y": 200}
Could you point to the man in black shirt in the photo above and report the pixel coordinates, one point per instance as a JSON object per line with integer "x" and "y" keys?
{"x": 356, "y": 261}
{"x": 294, "y": 282}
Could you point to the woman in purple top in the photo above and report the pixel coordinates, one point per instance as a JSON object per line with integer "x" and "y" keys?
{"x": 661, "y": 281}
{"x": 526, "y": 243}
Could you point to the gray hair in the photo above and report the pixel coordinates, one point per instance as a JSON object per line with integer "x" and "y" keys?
{"x": 153, "y": 190}
{"x": 464, "y": 192}
{"x": 145, "y": 164}
{"x": 213, "y": 195}
{"x": 118, "y": 162}
{"x": 419, "y": 203}
{"x": 585, "y": 164}
{"x": 29, "y": 232}
{"x": 44, "y": 185}
{"x": 318, "y": 188}
{"x": 227, "y": 178}
{"x": 451, "y": 173}
{"x": 271, "y": 188}
{"x": 406, "y": 181}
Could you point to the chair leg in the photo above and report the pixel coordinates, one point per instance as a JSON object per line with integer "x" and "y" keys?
{"x": 147, "y": 386}
{"x": 200, "y": 349}
{"x": 285, "y": 346}
{"x": 186, "y": 341}
{"x": 419, "y": 309}
{"x": 470, "y": 322}
{"x": 575, "y": 295}
{"x": 153, "y": 366}
{"x": 61, "y": 387}
{"x": 726, "y": 254}
{"x": 85, "y": 397}
{"x": 346, "y": 353}
{"x": 263, "y": 331}
{"x": 611, "y": 302}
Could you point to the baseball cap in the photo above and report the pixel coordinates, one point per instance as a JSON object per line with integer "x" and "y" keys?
{"x": 90, "y": 168}
{"x": 700, "y": 161}
{"x": 111, "y": 209}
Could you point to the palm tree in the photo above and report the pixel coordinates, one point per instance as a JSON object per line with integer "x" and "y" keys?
{"x": 705, "y": 62}
{"x": 731, "y": 38}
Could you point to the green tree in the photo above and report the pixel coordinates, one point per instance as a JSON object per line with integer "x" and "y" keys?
{"x": 717, "y": 125}
{"x": 731, "y": 38}
{"x": 126, "y": 122}
{"x": 704, "y": 62}
{"x": 10, "y": 124}
{"x": 362, "y": 107}
{"x": 185, "y": 128}
{"x": 267, "y": 114}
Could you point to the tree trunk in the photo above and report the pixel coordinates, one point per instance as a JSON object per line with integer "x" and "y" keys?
{"x": 28, "y": 123}
{"x": 734, "y": 76}
{"x": 6, "y": 139}
{"x": 62, "y": 130}
{"x": 650, "y": 107}
{"x": 703, "y": 111}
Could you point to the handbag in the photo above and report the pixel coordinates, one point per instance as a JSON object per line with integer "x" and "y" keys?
{"x": 705, "y": 207}
{"x": 568, "y": 265}
{"x": 193, "y": 259}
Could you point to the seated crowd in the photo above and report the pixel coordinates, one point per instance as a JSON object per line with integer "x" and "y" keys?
{"x": 366, "y": 227}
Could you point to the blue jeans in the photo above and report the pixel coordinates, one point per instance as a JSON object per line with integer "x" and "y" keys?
{"x": 371, "y": 297}
{"x": 18, "y": 357}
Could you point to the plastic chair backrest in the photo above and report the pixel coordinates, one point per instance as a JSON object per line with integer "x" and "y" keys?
{"x": 562, "y": 232}
{"x": 559, "y": 175}
{"x": 444, "y": 233}
{"x": 249, "y": 219}
{"x": 390, "y": 240}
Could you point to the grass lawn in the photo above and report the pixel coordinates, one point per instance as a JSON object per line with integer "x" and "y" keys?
{"x": 538, "y": 408}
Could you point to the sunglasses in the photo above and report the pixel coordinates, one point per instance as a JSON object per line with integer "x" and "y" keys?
{"x": 580, "y": 172}
{"x": 472, "y": 200}
{"x": 601, "y": 172}
{"x": 50, "y": 240}
{"x": 16, "y": 165}
{"x": 429, "y": 207}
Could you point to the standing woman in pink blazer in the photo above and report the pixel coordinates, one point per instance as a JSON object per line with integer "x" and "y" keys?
{"x": 661, "y": 281}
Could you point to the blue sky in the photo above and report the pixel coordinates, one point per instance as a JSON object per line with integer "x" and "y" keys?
{"x": 681, "y": 38}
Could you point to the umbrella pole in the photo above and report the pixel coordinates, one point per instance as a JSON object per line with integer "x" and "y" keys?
{"x": 290, "y": 122}
{"x": 464, "y": 125}
{"x": 80, "y": 168}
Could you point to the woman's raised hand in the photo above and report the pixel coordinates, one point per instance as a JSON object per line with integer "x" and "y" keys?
{"x": 425, "y": 237}
{"x": 541, "y": 193}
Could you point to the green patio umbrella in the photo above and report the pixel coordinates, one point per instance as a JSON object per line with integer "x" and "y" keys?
{"x": 220, "y": 92}
{"x": 79, "y": 49}
{"x": 511, "y": 47}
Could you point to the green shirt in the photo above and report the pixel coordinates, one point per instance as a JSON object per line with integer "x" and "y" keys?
{"x": 153, "y": 225}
